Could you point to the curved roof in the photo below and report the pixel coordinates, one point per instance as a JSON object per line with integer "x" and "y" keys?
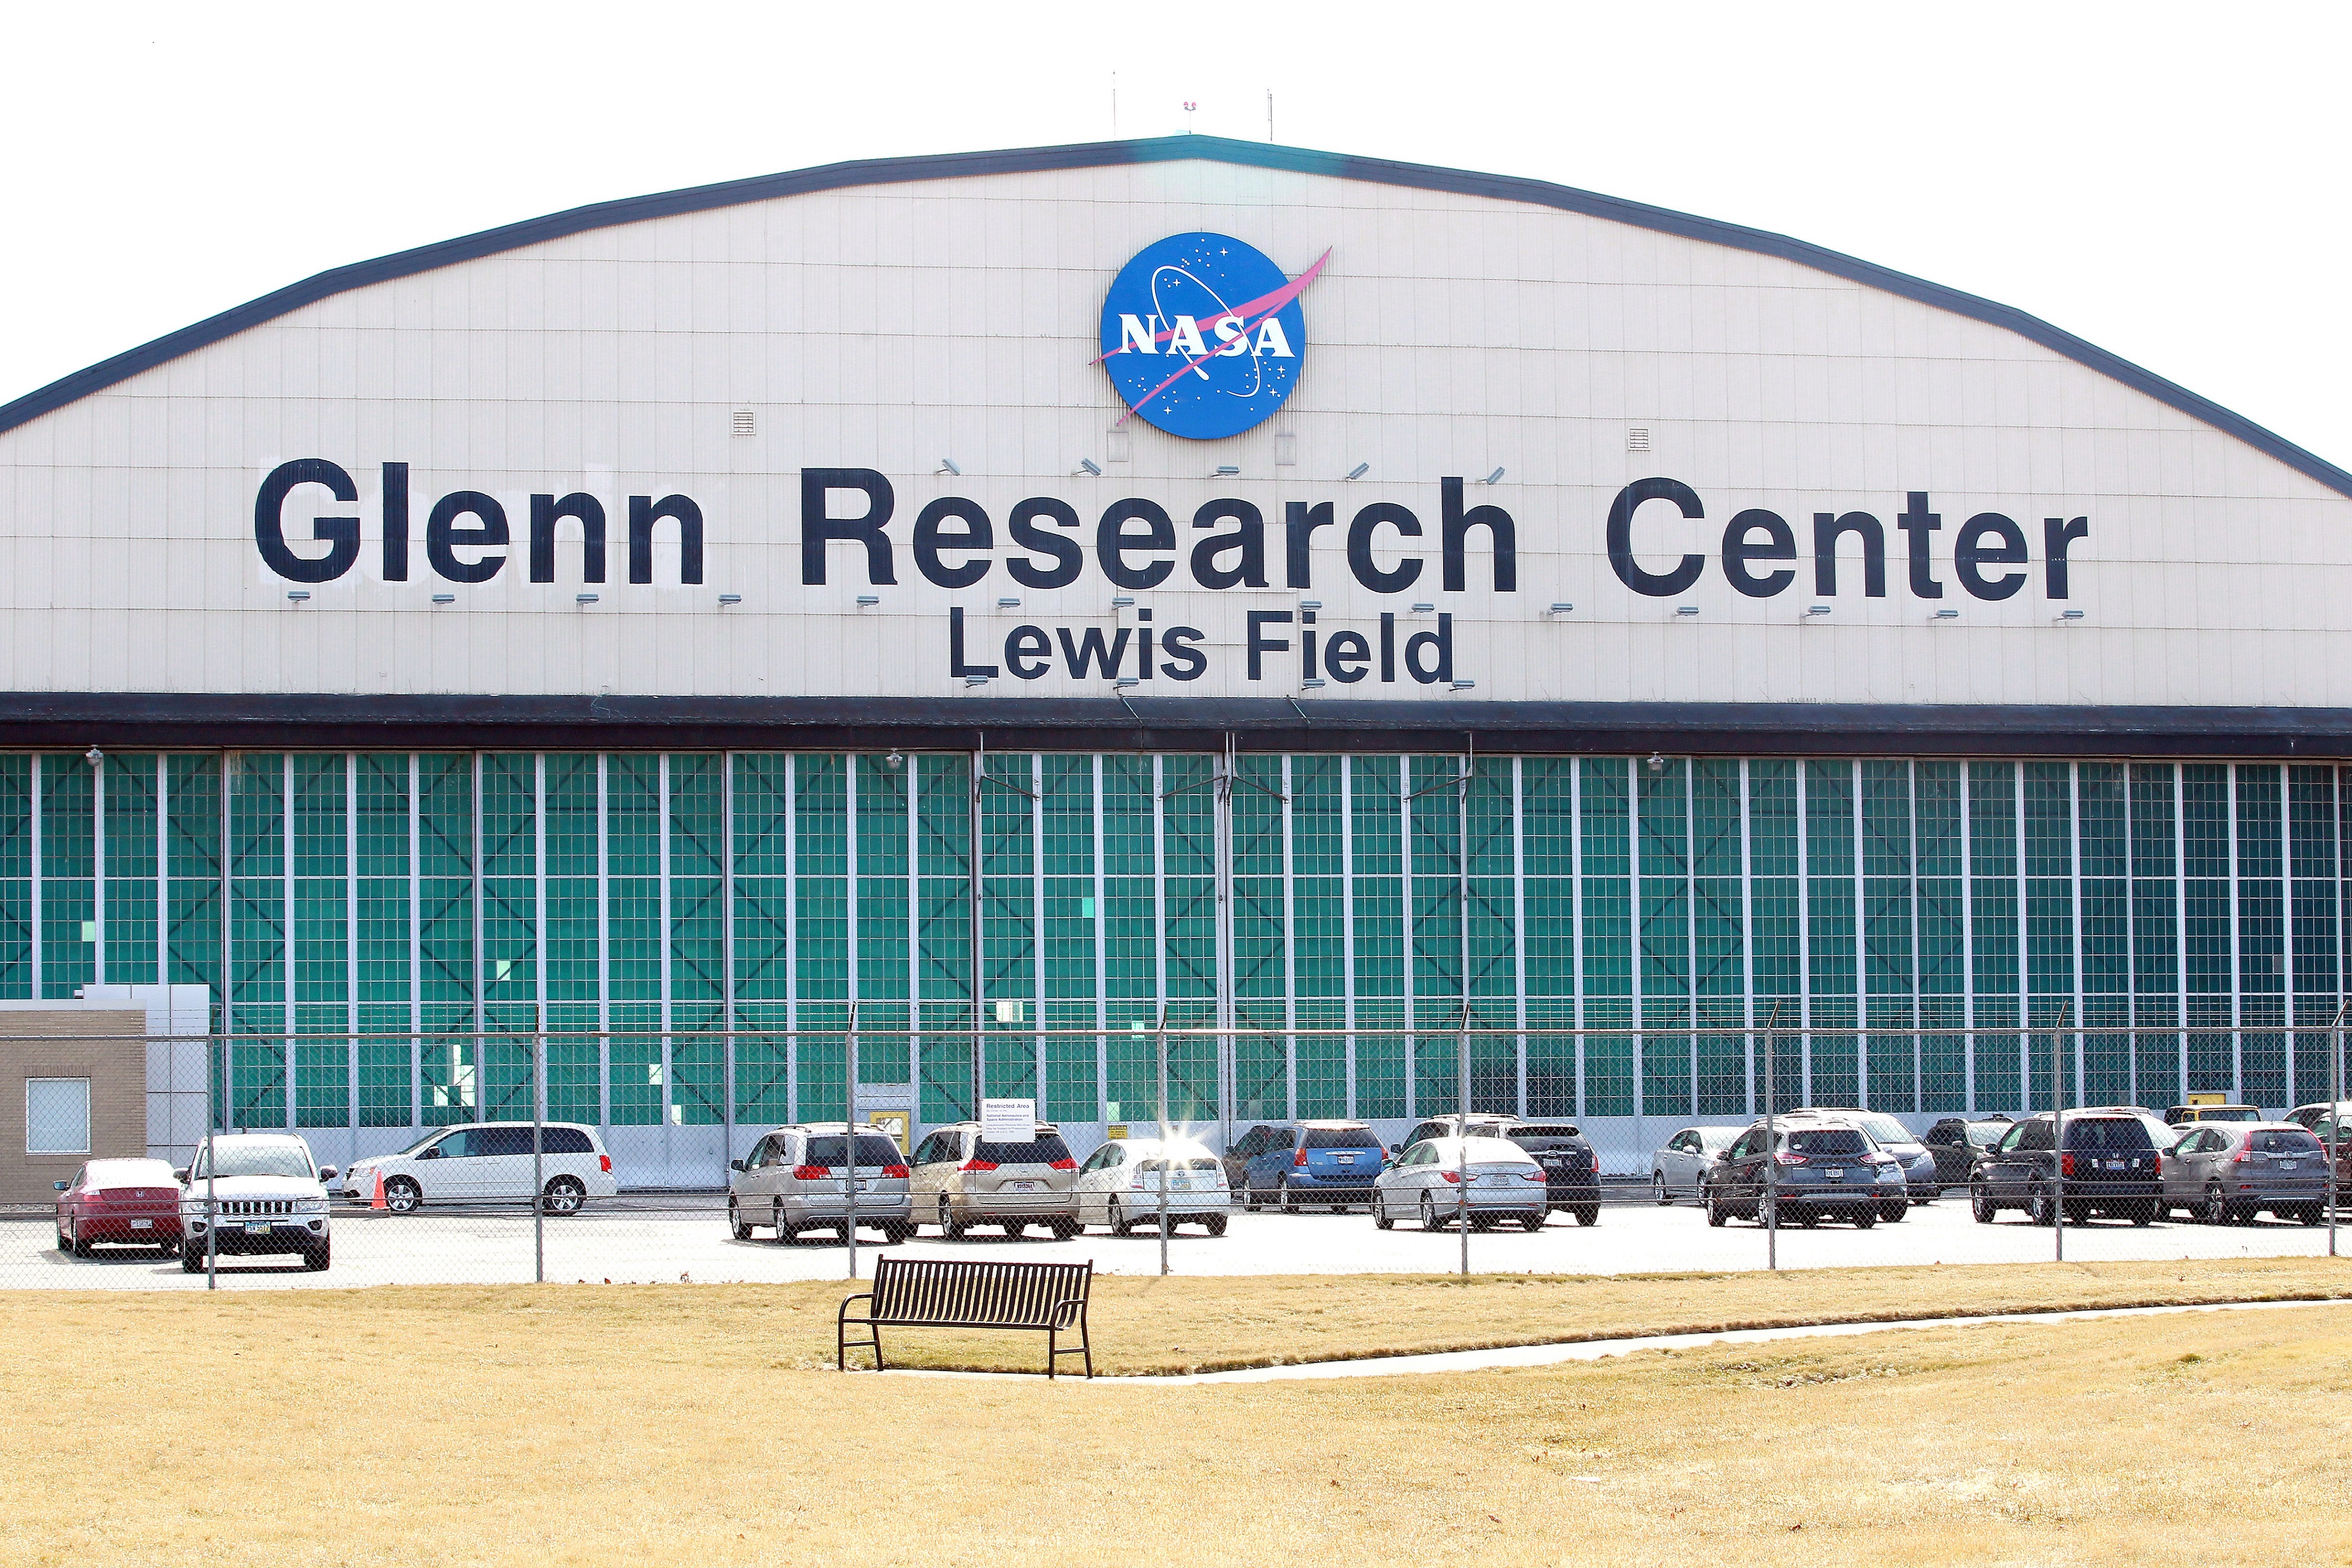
{"x": 1160, "y": 150}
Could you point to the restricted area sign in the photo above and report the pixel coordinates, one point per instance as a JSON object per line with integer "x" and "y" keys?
{"x": 1008, "y": 1121}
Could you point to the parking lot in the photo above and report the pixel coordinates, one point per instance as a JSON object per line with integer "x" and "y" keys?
{"x": 643, "y": 1239}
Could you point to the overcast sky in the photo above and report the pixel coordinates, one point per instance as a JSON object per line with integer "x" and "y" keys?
{"x": 2167, "y": 181}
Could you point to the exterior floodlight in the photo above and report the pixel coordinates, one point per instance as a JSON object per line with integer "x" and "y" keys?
{"x": 1128, "y": 681}
{"x": 947, "y": 465}
{"x": 897, "y": 759}
{"x": 1360, "y": 470}
{"x": 738, "y": 599}
{"x": 1494, "y": 479}
{"x": 1087, "y": 465}
{"x": 93, "y": 756}
{"x": 2070, "y": 615}
{"x": 1008, "y": 604}
{"x": 1685, "y": 608}
{"x": 1813, "y": 610}
{"x": 1561, "y": 609}
{"x": 584, "y": 598}
{"x": 975, "y": 680}
{"x": 1463, "y": 685}
{"x": 445, "y": 599}
{"x": 866, "y": 600}
{"x": 1657, "y": 761}
{"x": 1123, "y": 602}
{"x": 1313, "y": 682}
{"x": 1422, "y": 608}
{"x": 1226, "y": 470}
{"x": 1945, "y": 615}
{"x": 298, "y": 594}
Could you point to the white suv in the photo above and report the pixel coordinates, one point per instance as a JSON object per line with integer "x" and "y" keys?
{"x": 270, "y": 1194}
{"x": 485, "y": 1162}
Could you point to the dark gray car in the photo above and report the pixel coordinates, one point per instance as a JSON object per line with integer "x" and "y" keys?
{"x": 1813, "y": 1169}
{"x": 2227, "y": 1172}
{"x": 2109, "y": 1166}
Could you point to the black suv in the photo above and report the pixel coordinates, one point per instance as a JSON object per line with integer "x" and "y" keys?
{"x": 2110, "y": 1166}
{"x": 1957, "y": 1141}
{"x": 1571, "y": 1170}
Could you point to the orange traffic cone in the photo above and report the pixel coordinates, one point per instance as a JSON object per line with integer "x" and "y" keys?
{"x": 377, "y": 1201}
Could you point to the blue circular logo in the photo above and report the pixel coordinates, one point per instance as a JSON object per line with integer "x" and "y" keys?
{"x": 1202, "y": 334}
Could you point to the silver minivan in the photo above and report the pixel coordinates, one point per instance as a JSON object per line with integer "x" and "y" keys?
{"x": 795, "y": 1179}
{"x": 962, "y": 1179}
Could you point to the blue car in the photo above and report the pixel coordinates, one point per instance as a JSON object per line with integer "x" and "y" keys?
{"x": 1329, "y": 1164}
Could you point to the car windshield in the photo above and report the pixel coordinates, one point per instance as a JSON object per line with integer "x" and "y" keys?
{"x": 871, "y": 1151}
{"x": 1885, "y": 1129}
{"x": 241, "y": 1159}
{"x": 1985, "y": 1135}
{"x": 1544, "y": 1143}
{"x": 1340, "y": 1138}
{"x": 2110, "y": 1134}
{"x": 1195, "y": 1164}
{"x": 1830, "y": 1141}
{"x": 1040, "y": 1151}
{"x": 2283, "y": 1142}
{"x": 420, "y": 1143}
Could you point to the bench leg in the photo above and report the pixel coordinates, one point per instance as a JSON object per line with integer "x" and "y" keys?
{"x": 1053, "y": 1357}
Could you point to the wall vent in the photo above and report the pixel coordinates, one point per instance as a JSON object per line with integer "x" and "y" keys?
{"x": 744, "y": 421}
{"x": 1637, "y": 438}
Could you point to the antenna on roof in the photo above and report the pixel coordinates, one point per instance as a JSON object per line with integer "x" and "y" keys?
{"x": 1270, "y": 114}
{"x": 1189, "y": 106}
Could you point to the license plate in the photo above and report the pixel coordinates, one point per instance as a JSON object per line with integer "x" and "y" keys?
{"x": 2115, "y": 1165}
{"x": 1346, "y": 1159}
{"x": 150, "y": 1225}
{"x": 1025, "y": 1186}
{"x": 257, "y": 1227}
{"x": 2286, "y": 1165}
{"x": 865, "y": 1186}
{"x": 1837, "y": 1176}
{"x": 1181, "y": 1184}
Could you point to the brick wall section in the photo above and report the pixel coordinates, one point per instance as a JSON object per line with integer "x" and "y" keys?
{"x": 70, "y": 1043}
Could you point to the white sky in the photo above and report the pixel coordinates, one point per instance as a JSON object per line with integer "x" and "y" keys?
{"x": 2166, "y": 180}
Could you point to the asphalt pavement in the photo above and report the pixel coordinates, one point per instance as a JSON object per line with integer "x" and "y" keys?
{"x": 648, "y": 1240}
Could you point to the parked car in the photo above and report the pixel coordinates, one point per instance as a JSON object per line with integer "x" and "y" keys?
{"x": 271, "y": 1197}
{"x": 1571, "y": 1170}
{"x": 2182, "y": 1115}
{"x": 124, "y": 1203}
{"x": 1811, "y": 1170}
{"x": 961, "y": 1179}
{"x": 1678, "y": 1169}
{"x": 1957, "y": 1141}
{"x": 1119, "y": 1186}
{"x": 2315, "y": 1115}
{"x": 795, "y": 1179}
{"x": 1263, "y": 1138}
{"x": 1332, "y": 1166}
{"x": 1895, "y": 1141}
{"x": 488, "y": 1161}
{"x": 2111, "y": 1165}
{"x": 1429, "y": 1179}
{"x": 1480, "y": 1125}
{"x": 2228, "y": 1172}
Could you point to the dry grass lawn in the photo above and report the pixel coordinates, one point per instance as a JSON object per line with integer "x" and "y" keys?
{"x": 674, "y": 1425}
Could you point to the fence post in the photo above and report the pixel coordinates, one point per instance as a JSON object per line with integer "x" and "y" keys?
{"x": 2058, "y": 1133}
{"x": 849, "y": 1135}
{"x": 2335, "y": 1119}
{"x": 1161, "y": 1037}
{"x": 539, "y": 1157}
{"x": 1772, "y": 1196}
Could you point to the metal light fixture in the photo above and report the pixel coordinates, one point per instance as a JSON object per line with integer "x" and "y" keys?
{"x": 1945, "y": 615}
{"x": 584, "y": 598}
{"x": 897, "y": 759}
{"x": 1656, "y": 761}
{"x": 1494, "y": 479}
{"x": 1360, "y": 470}
{"x": 445, "y": 599}
{"x": 1685, "y": 608}
{"x": 1122, "y": 601}
{"x": 1087, "y": 465}
{"x": 726, "y": 598}
{"x": 1464, "y": 685}
{"x": 975, "y": 680}
{"x": 1422, "y": 608}
{"x": 298, "y": 594}
{"x": 947, "y": 465}
{"x": 1314, "y": 683}
{"x": 1226, "y": 470}
{"x": 868, "y": 601}
{"x": 2070, "y": 615}
{"x": 1813, "y": 610}
{"x": 1008, "y": 604}
{"x": 1128, "y": 681}
{"x": 1310, "y": 604}
{"x": 1561, "y": 609}
{"x": 93, "y": 756}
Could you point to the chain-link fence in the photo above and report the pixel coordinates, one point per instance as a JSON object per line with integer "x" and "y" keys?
{"x": 501, "y": 1157}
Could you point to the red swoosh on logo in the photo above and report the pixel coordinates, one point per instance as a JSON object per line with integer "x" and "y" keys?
{"x": 1249, "y": 314}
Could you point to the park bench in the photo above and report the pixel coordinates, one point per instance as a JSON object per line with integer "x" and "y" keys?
{"x": 957, "y": 1293}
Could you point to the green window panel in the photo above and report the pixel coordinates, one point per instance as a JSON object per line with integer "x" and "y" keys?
{"x": 323, "y": 1082}
{"x": 69, "y": 863}
{"x": 1941, "y": 934}
{"x": 1548, "y": 858}
{"x": 131, "y": 785}
{"x": 17, "y": 933}
{"x": 257, "y": 1078}
{"x": 385, "y": 1081}
{"x": 1994, "y": 933}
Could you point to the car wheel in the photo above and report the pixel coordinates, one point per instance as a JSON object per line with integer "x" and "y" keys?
{"x": 1482, "y": 1222}
{"x": 2215, "y": 1210}
{"x": 76, "y": 1244}
{"x": 897, "y": 1230}
{"x": 1590, "y": 1213}
{"x": 2040, "y": 1207}
{"x": 1289, "y": 1204}
{"x": 1982, "y": 1205}
{"x": 168, "y": 1246}
{"x": 316, "y": 1259}
{"x": 1066, "y": 1228}
{"x": 1115, "y": 1215}
{"x": 1428, "y": 1213}
{"x": 1658, "y": 1188}
{"x": 1716, "y": 1213}
{"x": 1864, "y": 1217}
{"x": 1216, "y": 1223}
{"x": 1380, "y": 1218}
{"x": 192, "y": 1260}
{"x": 735, "y": 1222}
{"x": 403, "y": 1195}
{"x": 1013, "y": 1229}
{"x": 65, "y": 1245}
{"x": 1533, "y": 1222}
{"x": 949, "y": 1225}
{"x": 1249, "y": 1199}
{"x": 563, "y": 1196}
{"x": 1807, "y": 1217}
{"x": 2144, "y": 1213}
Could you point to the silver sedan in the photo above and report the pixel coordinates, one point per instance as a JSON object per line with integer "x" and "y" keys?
{"x": 1440, "y": 1180}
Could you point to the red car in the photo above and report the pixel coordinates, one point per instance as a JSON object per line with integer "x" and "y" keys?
{"x": 134, "y": 1203}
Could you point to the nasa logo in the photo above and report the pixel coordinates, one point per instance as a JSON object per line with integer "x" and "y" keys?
{"x": 1202, "y": 334}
